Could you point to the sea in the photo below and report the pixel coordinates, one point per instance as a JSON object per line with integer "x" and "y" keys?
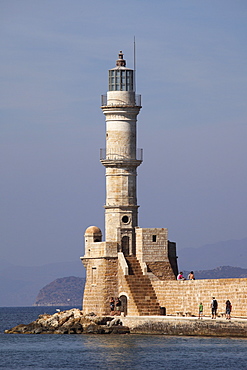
{"x": 109, "y": 351}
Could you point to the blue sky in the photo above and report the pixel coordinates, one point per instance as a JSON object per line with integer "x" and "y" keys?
{"x": 192, "y": 75}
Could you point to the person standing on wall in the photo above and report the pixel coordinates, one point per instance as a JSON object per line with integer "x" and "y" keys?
{"x": 228, "y": 310}
{"x": 214, "y": 306}
{"x": 200, "y": 311}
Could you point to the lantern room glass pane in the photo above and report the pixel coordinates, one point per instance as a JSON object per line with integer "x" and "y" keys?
{"x": 121, "y": 80}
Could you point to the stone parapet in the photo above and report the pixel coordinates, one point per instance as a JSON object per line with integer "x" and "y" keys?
{"x": 100, "y": 249}
{"x": 123, "y": 263}
{"x": 185, "y": 296}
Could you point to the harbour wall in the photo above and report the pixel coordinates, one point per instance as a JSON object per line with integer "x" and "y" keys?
{"x": 186, "y": 326}
{"x": 183, "y": 297}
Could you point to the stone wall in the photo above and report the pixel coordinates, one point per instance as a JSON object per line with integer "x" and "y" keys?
{"x": 101, "y": 284}
{"x": 185, "y": 296}
{"x": 151, "y": 244}
{"x": 162, "y": 270}
{"x": 100, "y": 249}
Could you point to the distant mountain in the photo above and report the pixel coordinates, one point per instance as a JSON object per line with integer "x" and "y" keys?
{"x": 227, "y": 253}
{"x": 222, "y": 272}
{"x": 67, "y": 291}
{"x": 20, "y": 285}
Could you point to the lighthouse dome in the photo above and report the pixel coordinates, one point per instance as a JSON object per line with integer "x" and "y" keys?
{"x": 93, "y": 230}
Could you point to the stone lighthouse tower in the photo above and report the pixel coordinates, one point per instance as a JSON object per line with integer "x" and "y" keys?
{"x": 121, "y": 106}
{"x": 130, "y": 258}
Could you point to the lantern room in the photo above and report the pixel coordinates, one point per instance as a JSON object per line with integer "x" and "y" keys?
{"x": 120, "y": 77}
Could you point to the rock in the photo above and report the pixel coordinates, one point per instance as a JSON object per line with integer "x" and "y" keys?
{"x": 120, "y": 330}
{"x": 100, "y": 320}
{"x": 70, "y": 322}
{"x": 91, "y": 314}
{"x": 115, "y": 322}
{"x": 92, "y": 329}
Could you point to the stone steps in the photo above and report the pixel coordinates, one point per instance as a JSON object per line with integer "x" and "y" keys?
{"x": 141, "y": 289}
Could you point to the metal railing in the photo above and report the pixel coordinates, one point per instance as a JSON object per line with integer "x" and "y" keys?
{"x": 120, "y": 154}
{"x": 120, "y": 104}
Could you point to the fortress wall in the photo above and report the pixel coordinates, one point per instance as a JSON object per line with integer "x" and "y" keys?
{"x": 101, "y": 284}
{"x": 185, "y": 296}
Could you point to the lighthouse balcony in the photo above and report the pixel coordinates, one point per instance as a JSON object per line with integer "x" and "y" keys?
{"x": 120, "y": 155}
{"x": 119, "y": 101}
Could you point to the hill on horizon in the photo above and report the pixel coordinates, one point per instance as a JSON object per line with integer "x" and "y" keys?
{"x": 67, "y": 291}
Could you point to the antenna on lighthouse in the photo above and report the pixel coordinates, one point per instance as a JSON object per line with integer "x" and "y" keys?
{"x": 134, "y": 64}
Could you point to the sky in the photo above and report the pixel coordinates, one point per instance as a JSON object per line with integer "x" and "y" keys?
{"x": 192, "y": 75}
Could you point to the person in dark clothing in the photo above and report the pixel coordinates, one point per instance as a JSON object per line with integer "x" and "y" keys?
{"x": 112, "y": 305}
{"x": 118, "y": 306}
{"x": 214, "y": 306}
{"x": 228, "y": 310}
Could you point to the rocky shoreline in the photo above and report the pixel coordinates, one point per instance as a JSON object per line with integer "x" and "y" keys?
{"x": 71, "y": 322}
{"x": 75, "y": 322}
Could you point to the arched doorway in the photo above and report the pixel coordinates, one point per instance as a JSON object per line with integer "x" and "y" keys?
{"x": 123, "y": 300}
{"x": 125, "y": 245}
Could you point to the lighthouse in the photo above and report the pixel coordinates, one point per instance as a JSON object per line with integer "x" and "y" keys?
{"x": 130, "y": 258}
{"x": 121, "y": 158}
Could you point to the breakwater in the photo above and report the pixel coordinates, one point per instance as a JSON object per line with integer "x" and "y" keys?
{"x": 187, "y": 326}
{"x": 75, "y": 322}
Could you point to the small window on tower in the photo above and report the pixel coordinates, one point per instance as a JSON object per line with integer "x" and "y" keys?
{"x": 94, "y": 270}
{"x": 125, "y": 219}
{"x": 154, "y": 238}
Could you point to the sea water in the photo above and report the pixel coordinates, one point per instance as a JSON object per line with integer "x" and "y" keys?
{"x": 79, "y": 351}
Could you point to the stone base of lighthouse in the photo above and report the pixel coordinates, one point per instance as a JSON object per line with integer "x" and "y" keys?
{"x": 110, "y": 273}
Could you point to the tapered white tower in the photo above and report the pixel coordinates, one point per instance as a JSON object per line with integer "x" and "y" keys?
{"x": 121, "y": 158}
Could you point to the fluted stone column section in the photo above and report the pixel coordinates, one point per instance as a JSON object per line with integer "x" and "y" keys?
{"x": 120, "y": 162}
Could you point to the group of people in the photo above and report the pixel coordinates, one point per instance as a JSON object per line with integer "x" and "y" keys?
{"x": 214, "y": 307}
{"x": 214, "y": 303}
{"x": 191, "y": 276}
{"x": 115, "y": 306}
